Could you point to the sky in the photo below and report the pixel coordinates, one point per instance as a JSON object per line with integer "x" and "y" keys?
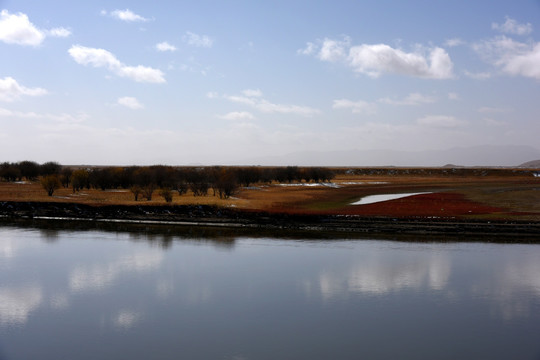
{"x": 231, "y": 82}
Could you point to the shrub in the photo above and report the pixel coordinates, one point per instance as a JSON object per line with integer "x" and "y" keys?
{"x": 50, "y": 183}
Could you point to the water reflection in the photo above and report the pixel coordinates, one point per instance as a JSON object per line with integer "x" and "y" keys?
{"x": 263, "y": 297}
{"x": 378, "y": 276}
{"x": 102, "y": 275}
{"x": 16, "y": 303}
{"x": 126, "y": 319}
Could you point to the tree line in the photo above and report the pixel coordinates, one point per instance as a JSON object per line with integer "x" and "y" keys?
{"x": 143, "y": 181}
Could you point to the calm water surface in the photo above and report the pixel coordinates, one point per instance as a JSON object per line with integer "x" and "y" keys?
{"x": 120, "y": 295}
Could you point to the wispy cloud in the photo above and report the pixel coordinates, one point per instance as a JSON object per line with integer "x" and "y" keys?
{"x": 440, "y": 121}
{"x": 11, "y": 90}
{"x": 238, "y": 115}
{"x": 254, "y": 99}
{"x": 59, "y": 32}
{"x": 165, "y": 46}
{"x": 377, "y": 59}
{"x": 17, "y": 29}
{"x": 130, "y": 102}
{"x": 102, "y": 58}
{"x": 411, "y": 99}
{"x": 252, "y": 92}
{"x": 125, "y": 15}
{"x": 198, "y": 40}
{"x": 454, "y": 42}
{"x": 511, "y": 26}
{"x": 478, "y": 75}
{"x": 357, "y": 107}
{"x": 492, "y": 110}
{"x": 60, "y": 118}
{"x": 453, "y": 96}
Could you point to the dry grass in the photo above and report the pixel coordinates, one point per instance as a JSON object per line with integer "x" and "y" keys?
{"x": 34, "y": 192}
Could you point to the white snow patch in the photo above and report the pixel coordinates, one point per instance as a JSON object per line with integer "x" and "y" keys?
{"x": 384, "y": 197}
{"x": 332, "y": 185}
{"x": 364, "y": 183}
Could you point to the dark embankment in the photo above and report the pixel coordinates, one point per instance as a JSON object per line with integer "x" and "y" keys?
{"x": 203, "y": 215}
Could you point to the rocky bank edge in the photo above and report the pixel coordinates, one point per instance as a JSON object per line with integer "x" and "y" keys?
{"x": 205, "y": 215}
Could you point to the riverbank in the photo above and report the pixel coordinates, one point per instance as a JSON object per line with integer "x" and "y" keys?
{"x": 214, "y": 216}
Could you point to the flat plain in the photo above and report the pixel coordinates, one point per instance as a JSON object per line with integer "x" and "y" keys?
{"x": 511, "y": 194}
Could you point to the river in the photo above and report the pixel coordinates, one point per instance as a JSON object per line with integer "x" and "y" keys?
{"x": 155, "y": 293}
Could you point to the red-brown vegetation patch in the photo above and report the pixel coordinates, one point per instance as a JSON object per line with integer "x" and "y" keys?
{"x": 443, "y": 204}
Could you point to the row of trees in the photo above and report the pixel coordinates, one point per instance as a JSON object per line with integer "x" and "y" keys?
{"x": 28, "y": 170}
{"x": 144, "y": 180}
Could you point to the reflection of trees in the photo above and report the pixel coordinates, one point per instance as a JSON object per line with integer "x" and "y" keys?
{"x": 49, "y": 235}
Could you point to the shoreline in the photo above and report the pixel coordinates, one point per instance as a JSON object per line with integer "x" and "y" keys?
{"x": 214, "y": 216}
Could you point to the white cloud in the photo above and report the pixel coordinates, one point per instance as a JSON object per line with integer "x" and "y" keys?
{"x": 334, "y": 50}
{"x": 11, "y": 90}
{"x": 511, "y": 56}
{"x": 440, "y": 121}
{"x": 125, "y": 15}
{"x": 17, "y": 29}
{"x": 130, "y": 102}
{"x": 165, "y": 46}
{"x": 411, "y": 99}
{"x": 511, "y": 26}
{"x": 142, "y": 74}
{"x": 198, "y": 40}
{"x": 238, "y": 115}
{"x": 525, "y": 64}
{"x": 374, "y": 60}
{"x": 254, "y": 99}
{"x": 356, "y": 107}
{"x": 102, "y": 58}
{"x": 308, "y": 50}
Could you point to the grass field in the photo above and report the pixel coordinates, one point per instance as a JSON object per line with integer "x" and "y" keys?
{"x": 488, "y": 197}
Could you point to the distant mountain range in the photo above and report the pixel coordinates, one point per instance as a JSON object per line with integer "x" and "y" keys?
{"x": 531, "y": 164}
{"x": 484, "y": 155}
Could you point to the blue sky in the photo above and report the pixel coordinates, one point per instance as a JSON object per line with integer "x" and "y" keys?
{"x": 221, "y": 82}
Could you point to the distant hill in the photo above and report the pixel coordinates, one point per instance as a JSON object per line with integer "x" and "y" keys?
{"x": 531, "y": 164}
{"x": 483, "y": 155}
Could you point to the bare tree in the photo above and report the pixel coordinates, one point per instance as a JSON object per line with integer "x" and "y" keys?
{"x": 79, "y": 179}
{"x": 167, "y": 194}
{"x": 136, "y": 191}
{"x": 148, "y": 190}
